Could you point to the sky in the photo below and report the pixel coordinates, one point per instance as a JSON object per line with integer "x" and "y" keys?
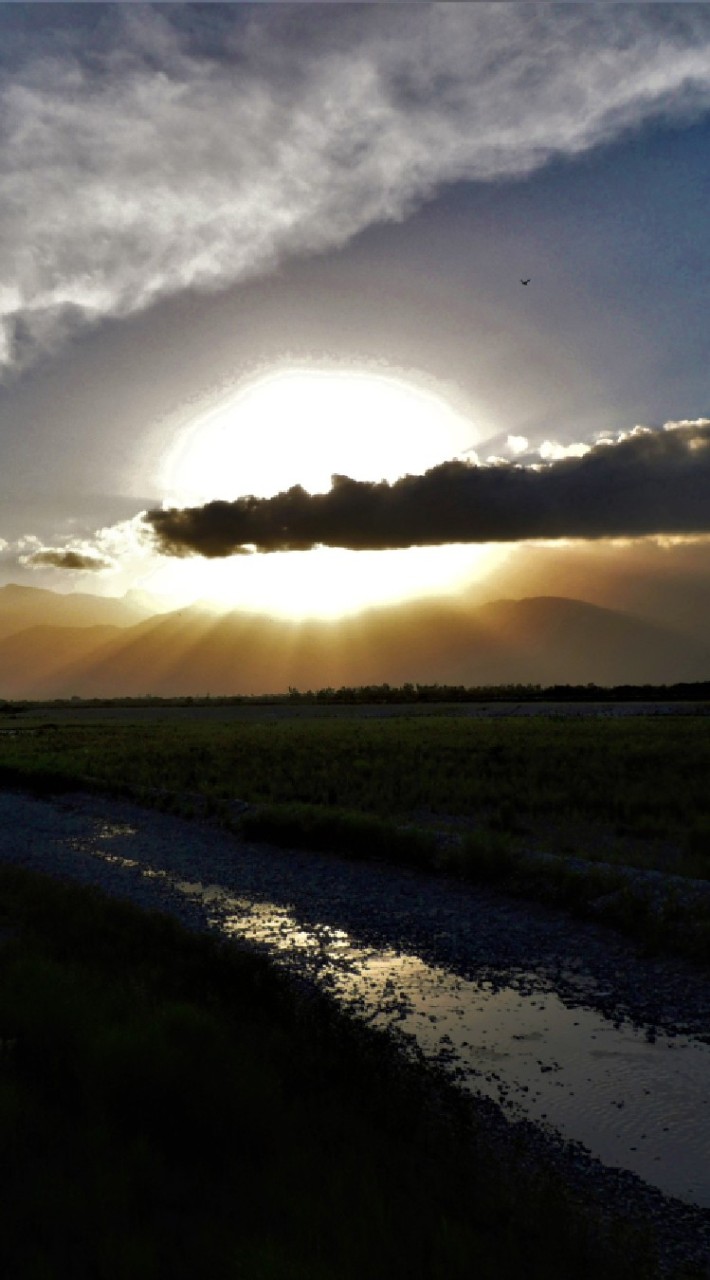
{"x": 264, "y": 336}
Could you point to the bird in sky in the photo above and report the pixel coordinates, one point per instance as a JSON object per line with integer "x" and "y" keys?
{"x": 526, "y": 281}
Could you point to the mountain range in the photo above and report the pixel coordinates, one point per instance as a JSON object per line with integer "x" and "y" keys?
{"x": 54, "y": 645}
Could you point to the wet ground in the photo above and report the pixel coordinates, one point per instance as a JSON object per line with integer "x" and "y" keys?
{"x": 560, "y": 1024}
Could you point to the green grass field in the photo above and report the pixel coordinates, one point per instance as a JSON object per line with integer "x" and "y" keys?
{"x": 637, "y": 779}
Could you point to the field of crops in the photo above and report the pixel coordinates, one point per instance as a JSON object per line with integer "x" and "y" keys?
{"x": 639, "y": 780}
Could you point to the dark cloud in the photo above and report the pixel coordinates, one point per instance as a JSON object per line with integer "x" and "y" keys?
{"x": 649, "y": 482}
{"x": 58, "y": 559}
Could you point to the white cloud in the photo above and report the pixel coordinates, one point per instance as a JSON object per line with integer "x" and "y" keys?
{"x": 107, "y": 551}
{"x": 552, "y": 451}
{"x": 151, "y": 169}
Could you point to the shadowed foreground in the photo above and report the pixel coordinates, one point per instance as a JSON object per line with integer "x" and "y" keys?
{"x": 169, "y": 1106}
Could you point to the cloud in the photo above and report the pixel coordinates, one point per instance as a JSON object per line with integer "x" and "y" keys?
{"x": 552, "y": 451}
{"x": 158, "y": 151}
{"x": 79, "y": 555}
{"x": 646, "y": 482}
{"x": 58, "y": 558}
{"x": 107, "y": 549}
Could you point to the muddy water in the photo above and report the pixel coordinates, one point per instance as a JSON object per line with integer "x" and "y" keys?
{"x": 637, "y": 1100}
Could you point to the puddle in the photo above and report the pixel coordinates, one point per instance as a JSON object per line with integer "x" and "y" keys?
{"x": 110, "y": 830}
{"x": 636, "y": 1099}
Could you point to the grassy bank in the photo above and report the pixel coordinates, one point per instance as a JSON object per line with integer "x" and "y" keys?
{"x": 641, "y": 778}
{"x": 169, "y": 1106}
{"x": 656, "y": 916}
{"x": 461, "y": 797}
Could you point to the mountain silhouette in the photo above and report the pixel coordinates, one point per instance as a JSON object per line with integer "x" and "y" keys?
{"x": 22, "y": 607}
{"x": 540, "y": 640}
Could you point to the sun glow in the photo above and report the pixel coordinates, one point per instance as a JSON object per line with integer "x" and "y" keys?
{"x": 301, "y": 426}
{"x": 325, "y": 583}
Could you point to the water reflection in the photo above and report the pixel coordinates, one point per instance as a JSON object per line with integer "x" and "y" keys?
{"x": 638, "y": 1103}
{"x": 637, "y": 1100}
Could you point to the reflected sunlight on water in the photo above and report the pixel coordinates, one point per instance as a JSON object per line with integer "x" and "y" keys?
{"x": 636, "y": 1099}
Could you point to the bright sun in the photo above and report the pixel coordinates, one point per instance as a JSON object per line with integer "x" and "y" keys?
{"x": 300, "y": 426}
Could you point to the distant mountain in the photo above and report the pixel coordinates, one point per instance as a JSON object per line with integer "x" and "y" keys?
{"x": 569, "y": 641}
{"x": 22, "y": 607}
{"x": 34, "y": 662}
{"x": 539, "y": 640}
